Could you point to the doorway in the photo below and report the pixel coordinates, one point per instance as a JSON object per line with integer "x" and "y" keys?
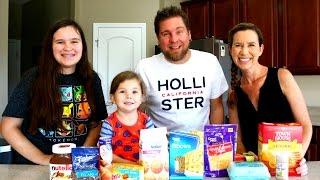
{"x": 29, "y": 21}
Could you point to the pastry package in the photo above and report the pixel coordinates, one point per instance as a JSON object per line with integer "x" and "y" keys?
{"x": 186, "y": 155}
{"x": 122, "y": 171}
{"x": 219, "y": 148}
{"x": 154, "y": 155}
{"x": 276, "y": 138}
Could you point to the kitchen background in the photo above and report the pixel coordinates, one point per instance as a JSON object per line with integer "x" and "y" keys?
{"x": 87, "y": 13}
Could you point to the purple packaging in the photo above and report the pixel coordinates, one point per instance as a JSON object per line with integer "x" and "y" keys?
{"x": 219, "y": 148}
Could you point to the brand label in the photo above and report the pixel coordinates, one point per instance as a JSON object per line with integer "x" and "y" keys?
{"x": 60, "y": 171}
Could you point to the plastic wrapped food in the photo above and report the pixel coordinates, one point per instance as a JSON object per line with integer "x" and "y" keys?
{"x": 248, "y": 171}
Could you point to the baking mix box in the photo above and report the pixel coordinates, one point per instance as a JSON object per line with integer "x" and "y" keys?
{"x": 220, "y": 144}
{"x": 280, "y": 138}
{"x": 186, "y": 155}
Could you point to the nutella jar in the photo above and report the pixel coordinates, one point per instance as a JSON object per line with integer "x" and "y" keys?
{"x": 61, "y": 162}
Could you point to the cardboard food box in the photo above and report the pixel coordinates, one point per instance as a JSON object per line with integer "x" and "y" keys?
{"x": 276, "y": 138}
{"x": 186, "y": 155}
{"x": 122, "y": 171}
{"x": 219, "y": 148}
{"x": 154, "y": 154}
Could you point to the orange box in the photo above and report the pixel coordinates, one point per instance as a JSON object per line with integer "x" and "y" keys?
{"x": 280, "y": 138}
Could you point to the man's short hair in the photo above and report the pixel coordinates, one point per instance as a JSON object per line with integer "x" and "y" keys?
{"x": 169, "y": 12}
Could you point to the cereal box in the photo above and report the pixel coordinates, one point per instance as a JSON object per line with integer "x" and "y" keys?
{"x": 154, "y": 153}
{"x": 280, "y": 137}
{"x": 219, "y": 148}
{"x": 186, "y": 155}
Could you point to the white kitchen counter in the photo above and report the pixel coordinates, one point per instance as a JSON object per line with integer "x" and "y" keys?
{"x": 37, "y": 172}
{"x": 314, "y": 113}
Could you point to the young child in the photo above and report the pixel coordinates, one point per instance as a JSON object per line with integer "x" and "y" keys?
{"x": 127, "y": 92}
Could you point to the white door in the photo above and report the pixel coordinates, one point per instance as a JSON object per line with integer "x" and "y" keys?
{"x": 117, "y": 47}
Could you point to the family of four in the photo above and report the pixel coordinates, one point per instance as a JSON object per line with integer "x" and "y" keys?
{"x": 61, "y": 100}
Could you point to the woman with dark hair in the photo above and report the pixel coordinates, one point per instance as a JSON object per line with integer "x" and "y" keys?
{"x": 60, "y": 100}
{"x": 260, "y": 93}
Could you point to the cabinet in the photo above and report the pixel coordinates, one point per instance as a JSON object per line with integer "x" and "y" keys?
{"x": 300, "y": 40}
{"x": 209, "y": 18}
{"x": 198, "y": 14}
{"x": 291, "y": 28}
{"x": 266, "y": 19}
{"x": 313, "y": 152}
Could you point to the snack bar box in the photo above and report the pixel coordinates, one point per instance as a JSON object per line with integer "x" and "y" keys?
{"x": 280, "y": 138}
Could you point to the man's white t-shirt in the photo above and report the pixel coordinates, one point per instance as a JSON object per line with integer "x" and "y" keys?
{"x": 178, "y": 95}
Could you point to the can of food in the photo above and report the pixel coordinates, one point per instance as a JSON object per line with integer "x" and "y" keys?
{"x": 105, "y": 149}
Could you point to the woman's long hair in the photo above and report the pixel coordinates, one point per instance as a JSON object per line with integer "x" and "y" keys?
{"x": 46, "y": 106}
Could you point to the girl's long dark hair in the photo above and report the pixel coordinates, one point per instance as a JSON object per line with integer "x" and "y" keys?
{"x": 46, "y": 105}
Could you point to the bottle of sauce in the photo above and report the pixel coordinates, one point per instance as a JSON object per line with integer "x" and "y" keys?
{"x": 282, "y": 166}
{"x": 61, "y": 162}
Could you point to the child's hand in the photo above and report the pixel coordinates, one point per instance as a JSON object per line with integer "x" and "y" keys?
{"x": 303, "y": 168}
{"x": 105, "y": 170}
{"x": 104, "y": 163}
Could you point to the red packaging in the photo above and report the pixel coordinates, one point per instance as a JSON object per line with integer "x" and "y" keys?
{"x": 280, "y": 138}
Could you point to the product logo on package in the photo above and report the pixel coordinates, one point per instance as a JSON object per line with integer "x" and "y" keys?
{"x": 282, "y": 136}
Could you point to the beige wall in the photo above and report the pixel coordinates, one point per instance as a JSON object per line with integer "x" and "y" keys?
{"x": 117, "y": 11}
{"x": 4, "y": 8}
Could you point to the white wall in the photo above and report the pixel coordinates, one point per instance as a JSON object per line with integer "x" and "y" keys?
{"x": 310, "y": 87}
{"x": 4, "y": 8}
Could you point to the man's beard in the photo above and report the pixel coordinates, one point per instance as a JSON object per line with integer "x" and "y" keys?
{"x": 175, "y": 56}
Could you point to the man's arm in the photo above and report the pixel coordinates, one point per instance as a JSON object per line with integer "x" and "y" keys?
{"x": 216, "y": 111}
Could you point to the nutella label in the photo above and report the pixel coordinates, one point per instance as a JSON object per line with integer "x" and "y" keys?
{"x": 60, "y": 171}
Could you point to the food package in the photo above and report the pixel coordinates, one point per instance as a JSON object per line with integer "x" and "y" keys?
{"x": 85, "y": 162}
{"x": 248, "y": 171}
{"x": 121, "y": 171}
{"x": 154, "y": 154}
{"x": 280, "y": 138}
{"x": 186, "y": 155}
{"x": 219, "y": 148}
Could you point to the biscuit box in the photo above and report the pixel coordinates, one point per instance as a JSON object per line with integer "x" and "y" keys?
{"x": 186, "y": 155}
{"x": 280, "y": 137}
{"x": 220, "y": 144}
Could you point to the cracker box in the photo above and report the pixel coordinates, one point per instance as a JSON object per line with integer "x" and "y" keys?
{"x": 219, "y": 148}
{"x": 154, "y": 153}
{"x": 280, "y": 138}
{"x": 186, "y": 155}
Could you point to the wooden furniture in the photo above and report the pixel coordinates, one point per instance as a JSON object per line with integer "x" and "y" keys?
{"x": 291, "y": 28}
{"x": 313, "y": 153}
